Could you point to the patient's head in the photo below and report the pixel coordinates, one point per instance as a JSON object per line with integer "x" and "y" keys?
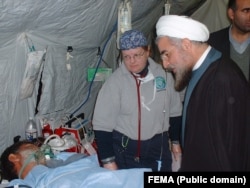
{"x": 18, "y": 159}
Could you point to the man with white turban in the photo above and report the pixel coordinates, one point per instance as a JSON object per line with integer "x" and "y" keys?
{"x": 216, "y": 120}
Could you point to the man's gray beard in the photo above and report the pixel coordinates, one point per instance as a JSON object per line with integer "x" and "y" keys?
{"x": 182, "y": 79}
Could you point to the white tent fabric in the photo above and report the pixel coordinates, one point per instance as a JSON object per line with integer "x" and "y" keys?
{"x": 89, "y": 26}
{"x": 213, "y": 14}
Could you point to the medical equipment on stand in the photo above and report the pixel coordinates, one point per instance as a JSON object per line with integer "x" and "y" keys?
{"x": 64, "y": 143}
{"x": 82, "y": 131}
{"x": 46, "y": 130}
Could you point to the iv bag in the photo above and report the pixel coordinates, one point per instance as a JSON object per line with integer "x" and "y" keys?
{"x": 33, "y": 66}
{"x": 167, "y": 8}
{"x": 124, "y": 18}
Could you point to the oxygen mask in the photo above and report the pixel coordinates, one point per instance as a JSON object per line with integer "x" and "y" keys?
{"x": 37, "y": 156}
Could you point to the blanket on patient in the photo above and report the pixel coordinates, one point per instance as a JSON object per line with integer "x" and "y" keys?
{"x": 83, "y": 172}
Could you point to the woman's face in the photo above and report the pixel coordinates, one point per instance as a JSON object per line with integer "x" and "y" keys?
{"x": 135, "y": 59}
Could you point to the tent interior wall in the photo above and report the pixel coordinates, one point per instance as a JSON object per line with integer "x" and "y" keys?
{"x": 89, "y": 26}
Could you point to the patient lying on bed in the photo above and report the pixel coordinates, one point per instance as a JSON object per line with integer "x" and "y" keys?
{"x": 23, "y": 163}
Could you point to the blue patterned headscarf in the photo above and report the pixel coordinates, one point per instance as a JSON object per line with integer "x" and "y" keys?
{"x": 132, "y": 39}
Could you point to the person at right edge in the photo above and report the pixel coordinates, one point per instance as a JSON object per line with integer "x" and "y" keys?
{"x": 234, "y": 40}
{"x": 216, "y": 112}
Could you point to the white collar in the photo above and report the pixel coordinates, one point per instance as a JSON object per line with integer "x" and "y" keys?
{"x": 202, "y": 58}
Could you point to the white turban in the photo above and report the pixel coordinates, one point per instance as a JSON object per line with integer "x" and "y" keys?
{"x": 181, "y": 27}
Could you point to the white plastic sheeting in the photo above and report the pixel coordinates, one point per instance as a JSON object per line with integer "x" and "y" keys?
{"x": 86, "y": 25}
{"x": 213, "y": 14}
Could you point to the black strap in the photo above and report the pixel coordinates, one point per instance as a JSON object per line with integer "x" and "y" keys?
{"x": 249, "y": 73}
{"x": 26, "y": 186}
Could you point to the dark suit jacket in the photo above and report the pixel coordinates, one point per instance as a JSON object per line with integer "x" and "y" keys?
{"x": 220, "y": 41}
